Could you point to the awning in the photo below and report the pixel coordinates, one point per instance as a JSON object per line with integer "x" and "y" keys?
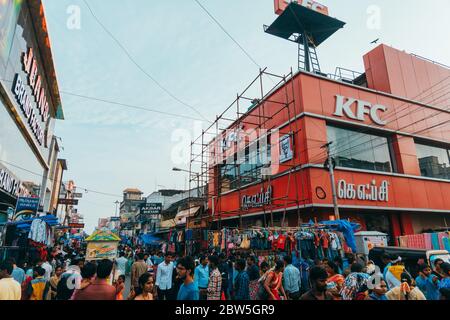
{"x": 183, "y": 215}
{"x": 51, "y": 220}
{"x": 167, "y": 224}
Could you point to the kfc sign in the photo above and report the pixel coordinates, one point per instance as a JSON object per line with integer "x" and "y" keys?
{"x": 358, "y": 109}
{"x": 281, "y": 5}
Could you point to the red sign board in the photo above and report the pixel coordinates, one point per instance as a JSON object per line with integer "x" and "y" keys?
{"x": 281, "y": 5}
{"x": 76, "y": 225}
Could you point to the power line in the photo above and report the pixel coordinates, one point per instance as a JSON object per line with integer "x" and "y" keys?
{"x": 53, "y": 180}
{"x": 130, "y": 57}
{"x": 228, "y": 34}
{"x": 127, "y": 105}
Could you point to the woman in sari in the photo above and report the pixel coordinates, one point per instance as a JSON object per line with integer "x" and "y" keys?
{"x": 274, "y": 283}
{"x": 335, "y": 281}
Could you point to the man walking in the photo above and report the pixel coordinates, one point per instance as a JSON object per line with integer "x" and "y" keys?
{"x": 201, "y": 277}
{"x": 291, "y": 279}
{"x": 9, "y": 288}
{"x": 215, "y": 279}
{"x": 188, "y": 290}
{"x": 18, "y": 273}
{"x": 164, "y": 279}
{"x": 138, "y": 269}
{"x": 241, "y": 286}
{"x": 98, "y": 289}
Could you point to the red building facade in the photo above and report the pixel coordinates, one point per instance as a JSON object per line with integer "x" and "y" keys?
{"x": 391, "y": 142}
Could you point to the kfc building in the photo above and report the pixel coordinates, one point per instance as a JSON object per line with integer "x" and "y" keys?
{"x": 390, "y": 134}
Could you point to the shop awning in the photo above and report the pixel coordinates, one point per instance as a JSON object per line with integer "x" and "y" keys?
{"x": 183, "y": 215}
{"x": 167, "y": 224}
{"x": 51, "y": 220}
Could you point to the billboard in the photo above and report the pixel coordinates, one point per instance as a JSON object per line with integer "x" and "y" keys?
{"x": 151, "y": 208}
{"x": 26, "y": 207}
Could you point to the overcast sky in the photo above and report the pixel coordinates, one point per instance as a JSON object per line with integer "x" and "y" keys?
{"x": 111, "y": 147}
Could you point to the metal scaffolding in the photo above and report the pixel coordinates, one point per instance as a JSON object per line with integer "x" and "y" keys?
{"x": 205, "y": 170}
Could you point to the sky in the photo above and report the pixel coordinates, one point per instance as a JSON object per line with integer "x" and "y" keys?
{"x": 110, "y": 147}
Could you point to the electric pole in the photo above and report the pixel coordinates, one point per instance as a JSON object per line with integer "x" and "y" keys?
{"x": 333, "y": 184}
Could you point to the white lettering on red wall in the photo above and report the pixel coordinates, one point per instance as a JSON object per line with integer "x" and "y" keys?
{"x": 258, "y": 200}
{"x": 367, "y": 192}
{"x": 358, "y": 110}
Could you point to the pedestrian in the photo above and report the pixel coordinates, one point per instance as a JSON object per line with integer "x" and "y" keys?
{"x": 355, "y": 285}
{"x": 146, "y": 288}
{"x": 224, "y": 271}
{"x": 253, "y": 275}
{"x": 201, "y": 277}
{"x": 214, "y": 291}
{"x": 318, "y": 281}
{"x": 18, "y": 274}
{"x": 437, "y": 268}
{"x": 241, "y": 284}
{"x": 121, "y": 264}
{"x": 120, "y": 287}
{"x": 428, "y": 283}
{"x": 274, "y": 282}
{"x": 394, "y": 272}
{"x": 164, "y": 279}
{"x": 405, "y": 290}
{"x": 10, "y": 289}
{"x": 188, "y": 290}
{"x": 47, "y": 267}
{"x": 54, "y": 280}
{"x": 137, "y": 269}
{"x": 88, "y": 273}
{"x": 98, "y": 289}
{"x": 70, "y": 279}
{"x": 335, "y": 281}
{"x": 39, "y": 287}
{"x": 378, "y": 293}
{"x": 444, "y": 283}
{"x": 291, "y": 279}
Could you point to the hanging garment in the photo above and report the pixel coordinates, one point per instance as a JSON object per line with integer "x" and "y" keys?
{"x": 281, "y": 242}
{"x": 428, "y": 243}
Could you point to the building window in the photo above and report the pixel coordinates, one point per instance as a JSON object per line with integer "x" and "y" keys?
{"x": 354, "y": 149}
{"x": 236, "y": 173}
{"x": 433, "y": 162}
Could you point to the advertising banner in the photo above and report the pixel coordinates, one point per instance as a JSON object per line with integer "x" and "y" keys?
{"x": 27, "y": 206}
{"x": 101, "y": 250}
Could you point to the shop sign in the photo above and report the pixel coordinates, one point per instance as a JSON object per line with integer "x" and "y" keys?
{"x": 9, "y": 183}
{"x": 68, "y": 202}
{"x": 114, "y": 219}
{"x": 151, "y": 208}
{"x": 76, "y": 225}
{"x": 27, "y": 206}
{"x": 78, "y": 195}
{"x": 344, "y": 107}
{"x": 281, "y": 5}
{"x": 366, "y": 192}
{"x": 39, "y": 96}
{"x": 258, "y": 200}
{"x": 286, "y": 153}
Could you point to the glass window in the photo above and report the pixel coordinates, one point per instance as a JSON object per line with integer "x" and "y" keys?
{"x": 434, "y": 162}
{"x": 353, "y": 149}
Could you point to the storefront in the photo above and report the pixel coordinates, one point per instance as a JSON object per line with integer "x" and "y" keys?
{"x": 390, "y": 146}
{"x": 29, "y": 102}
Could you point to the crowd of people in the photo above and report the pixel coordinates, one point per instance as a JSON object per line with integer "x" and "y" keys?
{"x": 66, "y": 275}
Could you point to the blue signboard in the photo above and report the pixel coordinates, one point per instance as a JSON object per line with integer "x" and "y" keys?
{"x": 26, "y": 207}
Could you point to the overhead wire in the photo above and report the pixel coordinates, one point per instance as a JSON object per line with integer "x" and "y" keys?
{"x": 133, "y": 60}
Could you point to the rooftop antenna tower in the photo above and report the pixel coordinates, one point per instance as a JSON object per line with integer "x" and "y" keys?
{"x": 306, "y": 23}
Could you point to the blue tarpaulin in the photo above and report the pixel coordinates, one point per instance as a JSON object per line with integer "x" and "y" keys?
{"x": 149, "y": 239}
{"x": 347, "y": 228}
{"x": 51, "y": 220}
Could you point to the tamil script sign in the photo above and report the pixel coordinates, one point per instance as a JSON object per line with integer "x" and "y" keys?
{"x": 68, "y": 202}
{"x": 258, "y": 200}
{"x": 151, "y": 208}
{"x": 367, "y": 192}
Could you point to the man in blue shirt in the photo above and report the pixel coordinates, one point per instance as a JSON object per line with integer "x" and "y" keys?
{"x": 291, "y": 279}
{"x": 241, "y": 285}
{"x": 18, "y": 274}
{"x": 428, "y": 283}
{"x": 201, "y": 277}
{"x": 188, "y": 290}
